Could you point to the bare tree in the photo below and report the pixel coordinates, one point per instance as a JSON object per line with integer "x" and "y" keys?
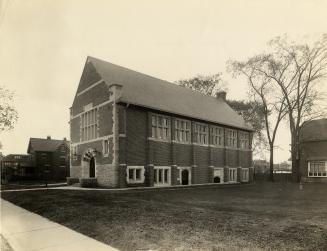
{"x": 263, "y": 94}
{"x": 296, "y": 70}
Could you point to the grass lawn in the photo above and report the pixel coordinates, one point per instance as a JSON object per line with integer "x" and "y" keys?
{"x": 263, "y": 216}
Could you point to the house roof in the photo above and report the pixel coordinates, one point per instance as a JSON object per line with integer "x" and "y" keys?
{"x": 13, "y": 157}
{"x": 146, "y": 91}
{"x": 45, "y": 145}
{"x": 315, "y": 130}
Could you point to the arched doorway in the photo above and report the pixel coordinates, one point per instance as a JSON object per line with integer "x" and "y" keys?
{"x": 92, "y": 167}
{"x": 216, "y": 179}
{"x": 185, "y": 180}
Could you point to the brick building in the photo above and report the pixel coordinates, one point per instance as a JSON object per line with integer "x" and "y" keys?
{"x": 131, "y": 129}
{"x": 313, "y": 151}
{"x": 50, "y": 157}
{"x": 20, "y": 164}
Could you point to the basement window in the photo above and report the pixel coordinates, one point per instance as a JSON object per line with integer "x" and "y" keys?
{"x": 232, "y": 174}
{"x": 161, "y": 176}
{"x": 245, "y": 174}
{"x": 135, "y": 174}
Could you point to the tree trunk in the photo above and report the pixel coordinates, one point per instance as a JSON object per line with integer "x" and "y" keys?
{"x": 295, "y": 158}
{"x": 271, "y": 164}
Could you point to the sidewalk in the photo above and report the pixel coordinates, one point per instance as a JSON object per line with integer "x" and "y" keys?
{"x": 28, "y": 231}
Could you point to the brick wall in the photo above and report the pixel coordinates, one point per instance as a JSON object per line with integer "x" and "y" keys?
{"x": 309, "y": 150}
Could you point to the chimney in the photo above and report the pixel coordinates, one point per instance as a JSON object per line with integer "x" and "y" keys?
{"x": 65, "y": 139}
{"x": 48, "y": 137}
{"x": 221, "y": 95}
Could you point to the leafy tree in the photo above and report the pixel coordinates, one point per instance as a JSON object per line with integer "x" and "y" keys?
{"x": 8, "y": 114}
{"x": 250, "y": 111}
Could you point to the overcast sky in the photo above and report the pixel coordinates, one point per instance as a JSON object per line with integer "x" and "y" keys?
{"x": 44, "y": 45}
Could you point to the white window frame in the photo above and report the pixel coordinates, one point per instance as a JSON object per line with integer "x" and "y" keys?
{"x": 160, "y": 130}
{"x": 217, "y": 135}
{"x": 201, "y": 133}
{"x": 89, "y": 125}
{"x": 134, "y": 180}
{"x": 232, "y": 172}
{"x": 245, "y": 174}
{"x": 182, "y": 130}
{"x": 104, "y": 144}
{"x": 317, "y": 174}
{"x": 162, "y": 183}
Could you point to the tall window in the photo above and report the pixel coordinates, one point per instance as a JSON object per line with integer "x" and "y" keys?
{"x": 160, "y": 127}
{"x": 161, "y": 176}
{"x": 201, "y": 133}
{"x": 217, "y": 136}
{"x": 105, "y": 147}
{"x": 231, "y": 138}
{"x": 317, "y": 169}
{"x": 244, "y": 140}
{"x": 89, "y": 127}
{"x": 182, "y": 131}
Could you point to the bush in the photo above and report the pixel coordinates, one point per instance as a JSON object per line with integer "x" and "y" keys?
{"x": 88, "y": 182}
{"x": 71, "y": 180}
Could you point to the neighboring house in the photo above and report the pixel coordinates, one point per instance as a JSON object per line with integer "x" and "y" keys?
{"x": 261, "y": 166}
{"x": 131, "y": 129}
{"x": 313, "y": 151}
{"x": 50, "y": 157}
{"x": 21, "y": 165}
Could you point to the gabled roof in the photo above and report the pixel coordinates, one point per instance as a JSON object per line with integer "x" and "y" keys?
{"x": 45, "y": 145}
{"x": 146, "y": 91}
{"x": 314, "y": 130}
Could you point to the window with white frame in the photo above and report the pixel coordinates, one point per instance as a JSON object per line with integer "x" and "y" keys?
{"x": 89, "y": 127}
{"x": 201, "y": 133}
{"x": 232, "y": 174}
{"x": 317, "y": 169}
{"x": 160, "y": 127}
{"x": 245, "y": 174}
{"x": 105, "y": 147}
{"x": 135, "y": 174}
{"x": 217, "y": 136}
{"x": 231, "y": 138}
{"x": 244, "y": 140}
{"x": 161, "y": 176}
{"x": 182, "y": 131}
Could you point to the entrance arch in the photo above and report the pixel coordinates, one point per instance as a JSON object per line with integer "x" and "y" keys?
{"x": 90, "y": 163}
{"x": 216, "y": 179}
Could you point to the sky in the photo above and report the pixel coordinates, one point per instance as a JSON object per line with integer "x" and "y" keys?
{"x": 44, "y": 45}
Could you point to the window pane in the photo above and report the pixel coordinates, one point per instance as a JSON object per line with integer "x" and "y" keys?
{"x": 138, "y": 174}
{"x": 154, "y": 120}
{"x": 166, "y": 175}
{"x": 131, "y": 174}
{"x": 160, "y": 175}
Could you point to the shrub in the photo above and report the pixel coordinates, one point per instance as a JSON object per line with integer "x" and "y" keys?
{"x": 88, "y": 182}
{"x": 71, "y": 180}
